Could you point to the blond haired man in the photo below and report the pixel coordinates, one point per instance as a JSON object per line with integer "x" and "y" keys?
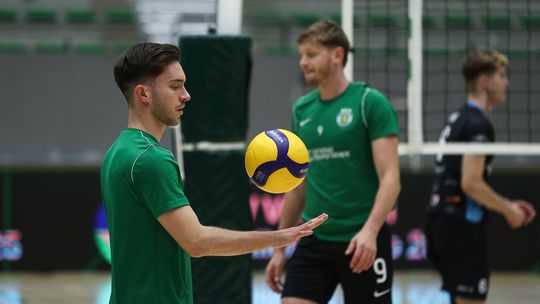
{"x": 351, "y": 132}
{"x": 457, "y": 212}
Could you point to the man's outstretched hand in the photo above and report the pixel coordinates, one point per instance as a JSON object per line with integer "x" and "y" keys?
{"x": 290, "y": 235}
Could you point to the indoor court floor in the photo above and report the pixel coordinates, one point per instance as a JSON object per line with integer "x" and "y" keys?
{"x": 410, "y": 287}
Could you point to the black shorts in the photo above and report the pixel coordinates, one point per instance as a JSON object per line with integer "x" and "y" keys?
{"x": 458, "y": 251}
{"x": 317, "y": 267}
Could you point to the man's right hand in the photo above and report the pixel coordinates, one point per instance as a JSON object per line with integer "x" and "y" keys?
{"x": 519, "y": 214}
{"x": 528, "y": 209}
{"x": 285, "y": 237}
{"x": 274, "y": 270}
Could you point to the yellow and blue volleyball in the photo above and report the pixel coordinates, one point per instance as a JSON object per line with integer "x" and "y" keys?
{"x": 276, "y": 160}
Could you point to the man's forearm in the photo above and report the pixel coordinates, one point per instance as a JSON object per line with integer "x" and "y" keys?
{"x": 223, "y": 242}
{"x": 384, "y": 202}
{"x": 482, "y": 193}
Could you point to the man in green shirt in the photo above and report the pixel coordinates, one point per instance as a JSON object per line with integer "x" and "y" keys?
{"x": 351, "y": 132}
{"x": 153, "y": 229}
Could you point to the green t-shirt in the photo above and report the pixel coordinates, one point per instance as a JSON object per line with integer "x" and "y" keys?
{"x": 140, "y": 180}
{"x": 342, "y": 180}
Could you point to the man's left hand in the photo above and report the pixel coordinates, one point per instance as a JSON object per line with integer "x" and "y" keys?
{"x": 363, "y": 247}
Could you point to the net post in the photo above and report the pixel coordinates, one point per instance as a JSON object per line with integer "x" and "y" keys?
{"x": 347, "y": 14}
{"x": 229, "y": 17}
{"x": 178, "y": 149}
{"x": 414, "y": 84}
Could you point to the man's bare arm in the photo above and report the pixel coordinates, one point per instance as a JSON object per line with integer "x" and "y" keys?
{"x": 198, "y": 240}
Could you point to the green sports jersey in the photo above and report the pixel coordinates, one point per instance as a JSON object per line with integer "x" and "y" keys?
{"x": 140, "y": 180}
{"x": 342, "y": 180}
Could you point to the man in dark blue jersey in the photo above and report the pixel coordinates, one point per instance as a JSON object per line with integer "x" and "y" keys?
{"x": 461, "y": 196}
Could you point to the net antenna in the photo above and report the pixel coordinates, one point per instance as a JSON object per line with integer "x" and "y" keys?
{"x": 418, "y": 122}
{"x": 347, "y": 14}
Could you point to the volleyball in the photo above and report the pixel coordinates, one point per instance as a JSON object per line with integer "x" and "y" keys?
{"x": 276, "y": 160}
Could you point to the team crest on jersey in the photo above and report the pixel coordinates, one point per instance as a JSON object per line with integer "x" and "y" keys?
{"x": 344, "y": 117}
{"x": 320, "y": 129}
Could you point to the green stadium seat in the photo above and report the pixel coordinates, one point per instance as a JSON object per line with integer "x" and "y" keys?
{"x": 90, "y": 48}
{"x": 267, "y": 17}
{"x": 50, "y": 47}
{"x": 80, "y": 16}
{"x": 120, "y": 16}
{"x": 41, "y": 15}
{"x": 7, "y": 15}
{"x": 497, "y": 21}
{"x": 305, "y": 19}
{"x": 382, "y": 20}
{"x": 12, "y": 47}
{"x": 362, "y": 52}
{"x": 397, "y": 52}
{"x": 428, "y": 21}
{"x": 277, "y": 50}
{"x": 531, "y": 21}
{"x": 518, "y": 54}
{"x": 458, "y": 21}
{"x": 121, "y": 47}
{"x": 336, "y": 17}
{"x": 435, "y": 52}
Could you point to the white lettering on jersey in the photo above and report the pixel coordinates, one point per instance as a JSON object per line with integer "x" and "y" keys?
{"x": 326, "y": 153}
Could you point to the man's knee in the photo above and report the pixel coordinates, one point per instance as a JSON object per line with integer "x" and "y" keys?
{"x": 460, "y": 300}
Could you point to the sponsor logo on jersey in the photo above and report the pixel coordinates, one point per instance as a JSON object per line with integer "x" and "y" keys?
{"x": 465, "y": 288}
{"x": 326, "y": 153}
{"x": 304, "y": 122}
{"x": 344, "y": 117}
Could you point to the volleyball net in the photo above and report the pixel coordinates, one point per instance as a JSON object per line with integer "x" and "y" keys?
{"x": 412, "y": 51}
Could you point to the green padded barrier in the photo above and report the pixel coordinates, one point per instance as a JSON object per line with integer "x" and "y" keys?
{"x": 120, "y": 16}
{"x": 80, "y": 16}
{"x": 458, "y": 21}
{"x": 218, "y": 191}
{"x": 497, "y": 21}
{"x": 7, "y": 15}
{"x": 382, "y": 20}
{"x": 218, "y": 71}
{"x": 41, "y": 15}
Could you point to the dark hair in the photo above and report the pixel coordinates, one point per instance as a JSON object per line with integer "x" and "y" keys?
{"x": 481, "y": 62}
{"x": 141, "y": 63}
{"x": 327, "y": 33}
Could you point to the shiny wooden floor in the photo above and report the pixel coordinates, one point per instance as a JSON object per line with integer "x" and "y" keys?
{"x": 94, "y": 288}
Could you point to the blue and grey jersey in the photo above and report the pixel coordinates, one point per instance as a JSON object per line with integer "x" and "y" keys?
{"x": 469, "y": 124}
